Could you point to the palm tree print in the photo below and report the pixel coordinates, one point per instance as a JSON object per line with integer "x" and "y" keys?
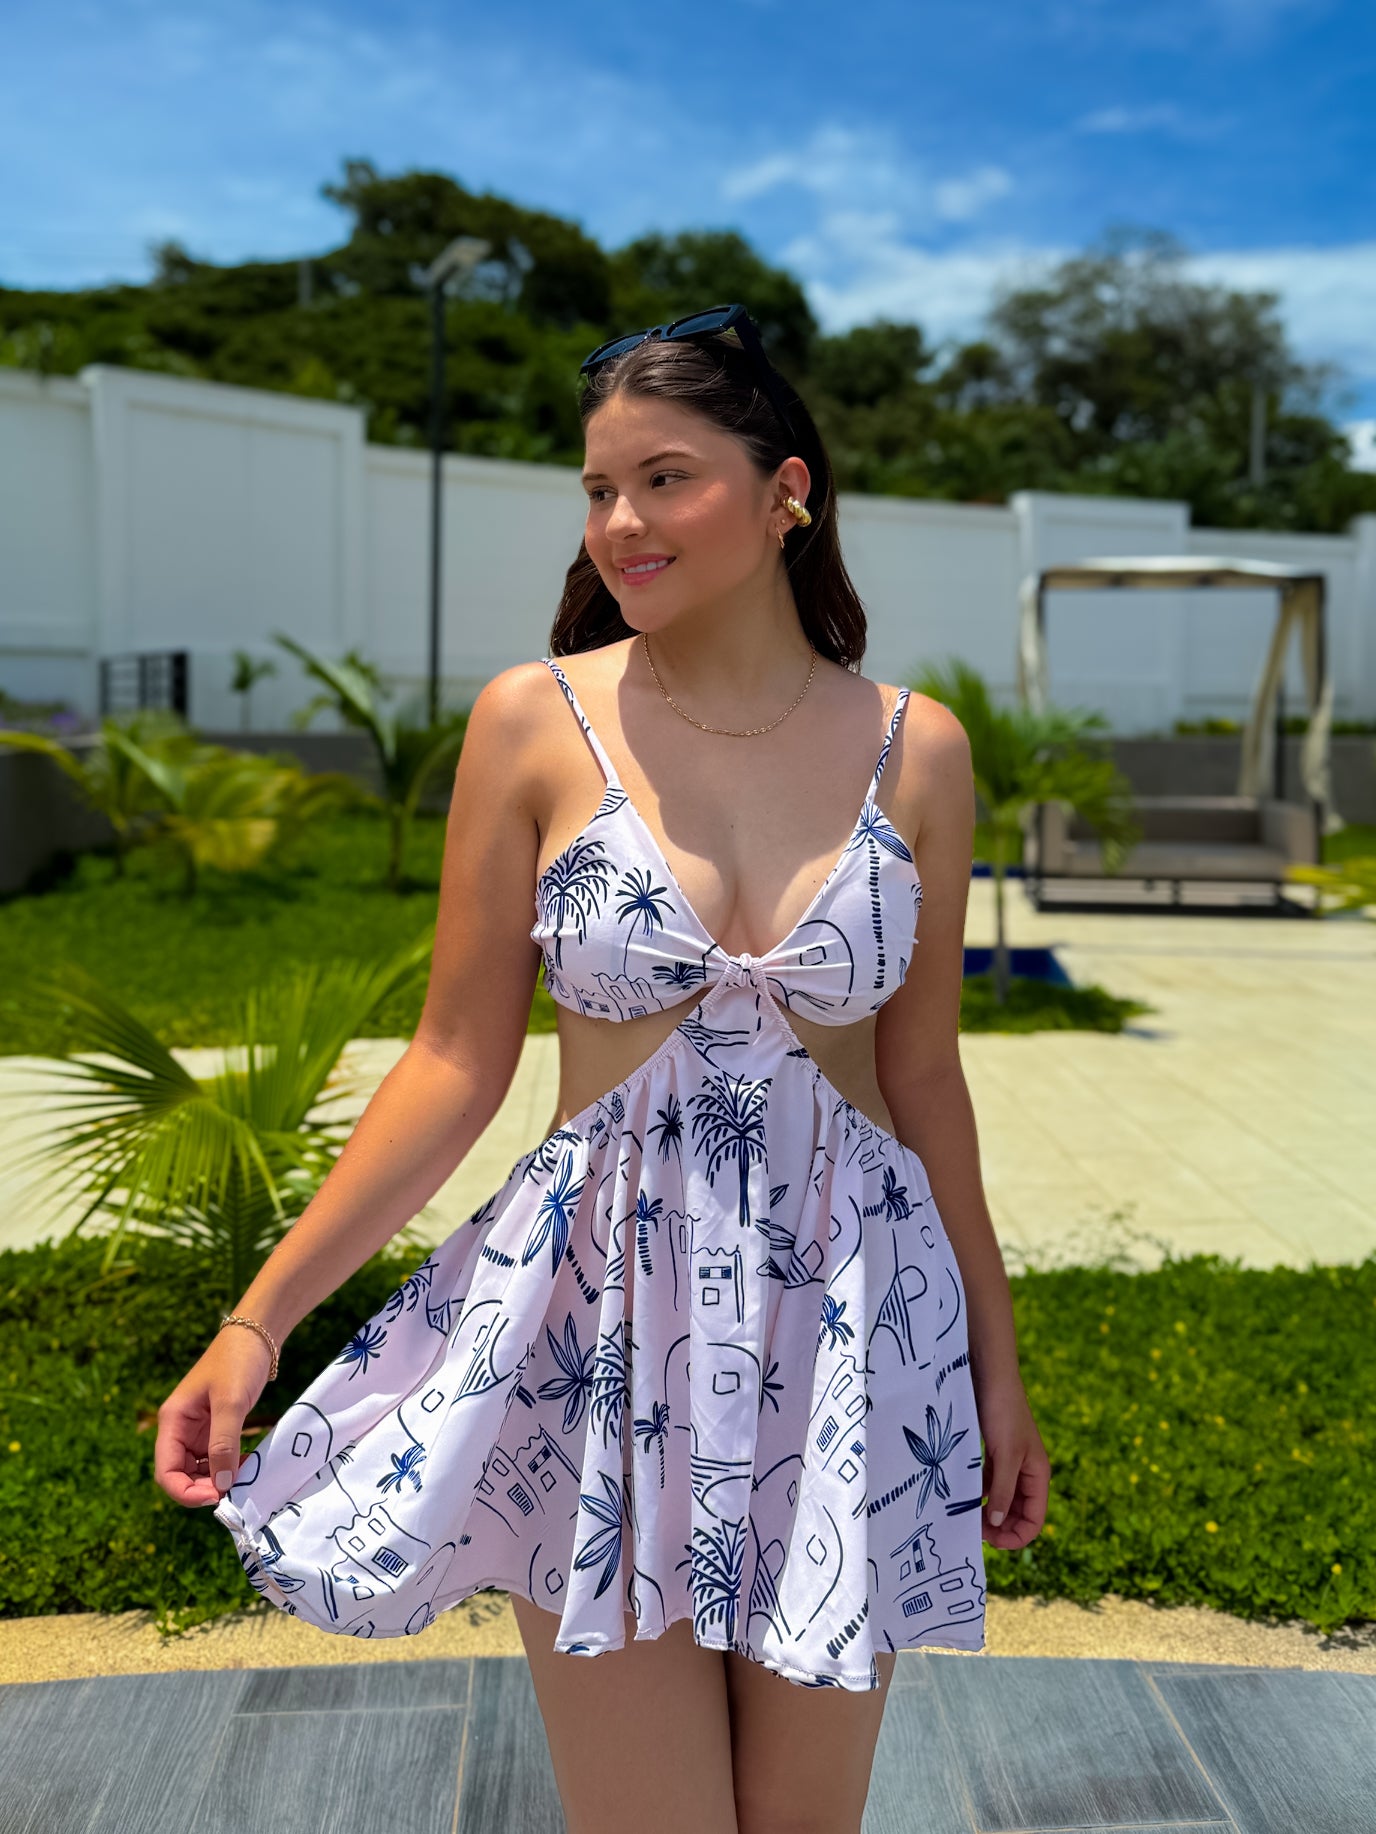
{"x": 896, "y": 1205}
{"x": 655, "y": 1430}
{"x": 604, "y": 1543}
{"x": 573, "y": 1384}
{"x": 931, "y": 1453}
{"x": 410, "y": 1290}
{"x": 718, "y": 1562}
{"x": 873, "y": 831}
{"x": 611, "y": 1383}
{"x": 669, "y": 1127}
{"x": 573, "y": 885}
{"x": 407, "y": 1466}
{"x": 768, "y": 1386}
{"x": 366, "y": 1342}
{"x": 732, "y": 1119}
{"x": 644, "y": 903}
{"x": 647, "y": 1211}
{"x": 555, "y": 1215}
{"x": 833, "y": 1325}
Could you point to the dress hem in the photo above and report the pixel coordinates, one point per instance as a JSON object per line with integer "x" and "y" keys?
{"x": 853, "y": 1680}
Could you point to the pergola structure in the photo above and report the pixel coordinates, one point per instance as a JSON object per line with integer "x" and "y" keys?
{"x": 1301, "y": 608}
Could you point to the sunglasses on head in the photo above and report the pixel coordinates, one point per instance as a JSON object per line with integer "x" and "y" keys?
{"x": 733, "y": 323}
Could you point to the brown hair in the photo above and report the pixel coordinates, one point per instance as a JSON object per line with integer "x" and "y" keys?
{"x": 718, "y": 381}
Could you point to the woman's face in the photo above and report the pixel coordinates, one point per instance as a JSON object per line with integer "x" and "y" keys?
{"x": 664, "y": 484}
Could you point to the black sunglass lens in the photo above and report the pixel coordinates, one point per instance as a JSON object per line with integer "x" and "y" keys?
{"x": 702, "y": 321}
{"x": 616, "y": 348}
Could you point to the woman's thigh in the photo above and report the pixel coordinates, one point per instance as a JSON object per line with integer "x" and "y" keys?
{"x": 801, "y": 1756}
{"x": 640, "y": 1737}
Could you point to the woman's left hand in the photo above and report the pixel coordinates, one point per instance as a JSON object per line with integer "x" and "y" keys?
{"x": 1017, "y": 1471}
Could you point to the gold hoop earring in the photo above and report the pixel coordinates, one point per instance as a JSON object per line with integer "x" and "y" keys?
{"x": 799, "y": 510}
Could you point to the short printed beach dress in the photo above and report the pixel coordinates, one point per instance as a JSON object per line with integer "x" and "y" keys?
{"x": 703, "y": 1354}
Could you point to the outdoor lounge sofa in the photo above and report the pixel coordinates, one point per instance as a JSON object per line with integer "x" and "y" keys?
{"x": 1210, "y": 839}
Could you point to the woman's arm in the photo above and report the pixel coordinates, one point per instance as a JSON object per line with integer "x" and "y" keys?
{"x": 437, "y": 1099}
{"x": 917, "y": 1061}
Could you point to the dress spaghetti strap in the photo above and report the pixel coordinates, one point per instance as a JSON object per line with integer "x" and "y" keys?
{"x": 608, "y": 768}
{"x": 899, "y": 705}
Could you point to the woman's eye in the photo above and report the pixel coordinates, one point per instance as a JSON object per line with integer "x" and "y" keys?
{"x": 595, "y": 496}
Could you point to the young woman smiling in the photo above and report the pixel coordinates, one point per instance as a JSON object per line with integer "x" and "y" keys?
{"x": 721, "y": 1384}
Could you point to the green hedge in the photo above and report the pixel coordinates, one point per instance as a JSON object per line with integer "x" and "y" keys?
{"x": 1210, "y": 1429}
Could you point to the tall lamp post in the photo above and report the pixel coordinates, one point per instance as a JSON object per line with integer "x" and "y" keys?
{"x": 459, "y": 258}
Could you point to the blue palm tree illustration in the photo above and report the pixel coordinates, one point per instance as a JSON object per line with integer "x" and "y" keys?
{"x": 768, "y": 1386}
{"x": 833, "y": 1324}
{"x": 732, "y": 1117}
{"x": 875, "y": 831}
{"x": 574, "y": 884}
{"x": 410, "y": 1290}
{"x": 931, "y": 1452}
{"x": 604, "y": 1543}
{"x": 655, "y": 1428}
{"x": 644, "y": 903}
{"x": 896, "y": 1205}
{"x": 647, "y": 1211}
{"x": 718, "y": 1560}
{"x": 678, "y": 974}
{"x": 574, "y": 1384}
{"x": 366, "y": 1342}
{"x": 610, "y": 1383}
{"x": 669, "y": 1127}
{"x": 407, "y": 1466}
{"x": 555, "y": 1215}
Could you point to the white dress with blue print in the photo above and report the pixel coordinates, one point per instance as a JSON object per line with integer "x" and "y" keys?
{"x": 703, "y": 1354}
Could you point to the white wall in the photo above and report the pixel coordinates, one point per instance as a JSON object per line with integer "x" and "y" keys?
{"x": 143, "y": 511}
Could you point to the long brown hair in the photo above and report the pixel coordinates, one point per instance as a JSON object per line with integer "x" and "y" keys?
{"x": 717, "y": 380}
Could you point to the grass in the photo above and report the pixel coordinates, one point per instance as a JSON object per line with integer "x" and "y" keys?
{"x": 1211, "y": 1430}
{"x": 1043, "y": 1006}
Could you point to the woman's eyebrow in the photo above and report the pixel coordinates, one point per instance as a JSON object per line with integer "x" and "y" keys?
{"x": 654, "y": 458}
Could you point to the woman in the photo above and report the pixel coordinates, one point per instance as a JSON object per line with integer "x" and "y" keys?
{"x": 703, "y": 1385}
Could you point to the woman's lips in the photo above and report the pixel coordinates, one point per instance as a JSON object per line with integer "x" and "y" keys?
{"x": 643, "y": 579}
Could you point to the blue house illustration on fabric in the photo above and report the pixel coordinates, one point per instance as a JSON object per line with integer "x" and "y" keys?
{"x": 931, "y": 1597}
{"x": 719, "y": 1282}
{"x": 836, "y": 1429}
{"x": 537, "y": 1478}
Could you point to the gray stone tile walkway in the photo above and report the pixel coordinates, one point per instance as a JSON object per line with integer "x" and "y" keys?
{"x": 987, "y": 1745}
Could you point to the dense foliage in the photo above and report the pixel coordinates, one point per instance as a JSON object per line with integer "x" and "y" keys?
{"x": 1114, "y": 374}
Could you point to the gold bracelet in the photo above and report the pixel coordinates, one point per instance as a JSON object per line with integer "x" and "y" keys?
{"x": 234, "y": 1318}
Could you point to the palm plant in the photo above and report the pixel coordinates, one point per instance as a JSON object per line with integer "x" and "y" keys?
{"x": 1349, "y": 883}
{"x": 247, "y": 670}
{"x": 407, "y": 754}
{"x": 1021, "y": 758}
{"x": 106, "y": 777}
{"x": 223, "y": 1163}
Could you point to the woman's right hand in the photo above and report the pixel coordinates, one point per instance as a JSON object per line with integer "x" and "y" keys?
{"x": 200, "y": 1424}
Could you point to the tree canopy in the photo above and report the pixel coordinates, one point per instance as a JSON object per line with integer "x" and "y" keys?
{"x": 1114, "y": 373}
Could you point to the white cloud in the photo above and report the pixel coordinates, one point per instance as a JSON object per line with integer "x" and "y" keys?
{"x": 838, "y": 164}
{"x": 1362, "y": 434}
{"x": 1145, "y": 118}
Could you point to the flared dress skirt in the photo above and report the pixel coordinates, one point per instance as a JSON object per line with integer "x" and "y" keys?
{"x": 703, "y": 1354}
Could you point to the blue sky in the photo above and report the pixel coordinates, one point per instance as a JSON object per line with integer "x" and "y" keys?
{"x": 901, "y": 159}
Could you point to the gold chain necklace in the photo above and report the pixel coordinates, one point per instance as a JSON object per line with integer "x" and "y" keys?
{"x": 751, "y": 731}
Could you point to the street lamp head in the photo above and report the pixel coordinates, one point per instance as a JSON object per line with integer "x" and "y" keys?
{"x": 462, "y": 254}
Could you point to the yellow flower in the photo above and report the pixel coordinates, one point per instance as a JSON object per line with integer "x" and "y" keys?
{"x": 1103, "y": 1328}
{"x": 1180, "y": 1324}
{"x": 1156, "y": 1352}
{"x": 1132, "y": 1477}
{"x": 14, "y": 1445}
{"x": 1153, "y": 1467}
{"x": 1137, "y": 1439}
{"x": 1302, "y": 1388}
{"x": 1211, "y": 1528}
{"x": 1164, "y": 1425}
{"x": 1337, "y": 1566}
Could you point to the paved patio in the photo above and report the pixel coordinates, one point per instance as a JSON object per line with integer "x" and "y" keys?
{"x": 984, "y": 1745}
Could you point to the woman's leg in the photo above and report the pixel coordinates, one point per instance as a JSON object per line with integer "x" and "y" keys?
{"x": 640, "y": 1737}
{"x": 801, "y": 1756}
